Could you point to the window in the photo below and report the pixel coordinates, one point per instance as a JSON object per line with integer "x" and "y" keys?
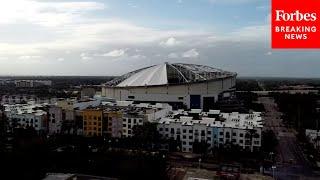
{"x": 184, "y": 137}
{"x": 99, "y": 118}
{"x": 160, "y": 129}
{"x": 221, "y": 139}
{"x": 124, "y": 125}
{"x": 241, "y": 134}
{"x": 95, "y": 117}
{"x": 234, "y": 134}
{"x": 172, "y": 130}
{"x": 190, "y": 131}
{"x": 241, "y": 141}
{"x": 227, "y": 135}
{"x": 167, "y": 129}
{"x": 190, "y": 137}
{"x": 221, "y": 133}
{"x": 184, "y": 130}
{"x": 209, "y": 132}
{"x": 190, "y": 143}
{"x": 203, "y": 133}
{"x": 85, "y": 122}
{"x": 256, "y": 142}
{"x": 184, "y": 143}
{"x": 129, "y": 131}
{"x": 94, "y": 123}
{"x": 209, "y": 138}
{"x": 130, "y": 97}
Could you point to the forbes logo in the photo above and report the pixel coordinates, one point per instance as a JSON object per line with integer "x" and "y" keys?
{"x": 281, "y": 15}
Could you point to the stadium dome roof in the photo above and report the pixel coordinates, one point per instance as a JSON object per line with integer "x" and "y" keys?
{"x": 167, "y": 73}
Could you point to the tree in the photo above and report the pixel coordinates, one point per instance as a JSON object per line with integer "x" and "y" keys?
{"x": 146, "y": 133}
{"x": 269, "y": 141}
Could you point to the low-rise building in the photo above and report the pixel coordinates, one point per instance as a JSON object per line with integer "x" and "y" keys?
{"x": 25, "y": 115}
{"x": 71, "y": 104}
{"x": 214, "y": 128}
{"x": 92, "y": 122}
{"x": 313, "y": 137}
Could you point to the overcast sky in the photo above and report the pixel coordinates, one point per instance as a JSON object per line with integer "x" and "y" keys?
{"x": 111, "y": 37}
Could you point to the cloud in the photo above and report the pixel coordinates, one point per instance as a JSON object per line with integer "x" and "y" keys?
{"x": 85, "y": 57}
{"x": 114, "y": 53}
{"x": 192, "y": 53}
{"x": 60, "y": 59}
{"x": 173, "y": 56}
{"x": 138, "y": 56}
{"x": 26, "y": 57}
{"x": 269, "y": 53}
{"x": 44, "y": 13}
{"x": 170, "y": 42}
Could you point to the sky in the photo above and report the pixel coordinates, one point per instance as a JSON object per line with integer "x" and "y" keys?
{"x": 112, "y": 37}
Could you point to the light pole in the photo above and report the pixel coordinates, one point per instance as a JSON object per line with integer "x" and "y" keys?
{"x": 273, "y": 169}
{"x": 199, "y": 163}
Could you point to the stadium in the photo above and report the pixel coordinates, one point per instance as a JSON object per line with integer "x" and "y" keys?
{"x": 182, "y": 85}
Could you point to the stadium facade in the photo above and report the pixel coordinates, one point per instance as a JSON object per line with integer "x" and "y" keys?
{"x": 182, "y": 85}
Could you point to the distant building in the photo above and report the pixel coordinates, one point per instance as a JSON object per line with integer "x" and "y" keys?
{"x": 214, "y": 128}
{"x": 32, "y": 83}
{"x": 25, "y": 98}
{"x": 88, "y": 92}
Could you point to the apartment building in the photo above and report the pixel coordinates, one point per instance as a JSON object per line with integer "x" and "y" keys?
{"x": 214, "y": 128}
{"x": 113, "y": 123}
{"x": 92, "y": 122}
{"x": 24, "y": 115}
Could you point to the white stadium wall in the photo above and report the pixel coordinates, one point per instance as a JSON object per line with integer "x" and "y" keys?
{"x": 172, "y": 93}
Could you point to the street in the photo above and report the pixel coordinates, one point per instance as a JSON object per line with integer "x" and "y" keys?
{"x": 291, "y": 162}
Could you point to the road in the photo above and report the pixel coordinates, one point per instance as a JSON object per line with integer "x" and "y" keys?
{"x": 291, "y": 162}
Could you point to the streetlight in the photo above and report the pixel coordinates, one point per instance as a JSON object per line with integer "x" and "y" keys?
{"x": 273, "y": 169}
{"x": 199, "y": 163}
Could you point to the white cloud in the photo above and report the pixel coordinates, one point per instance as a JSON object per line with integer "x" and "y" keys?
{"x": 173, "y": 55}
{"x": 170, "y": 42}
{"x": 25, "y": 57}
{"x": 192, "y": 53}
{"x": 60, "y": 59}
{"x": 85, "y": 57}
{"x": 114, "y": 53}
{"x": 269, "y": 53}
{"x": 44, "y": 13}
{"x": 138, "y": 56}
